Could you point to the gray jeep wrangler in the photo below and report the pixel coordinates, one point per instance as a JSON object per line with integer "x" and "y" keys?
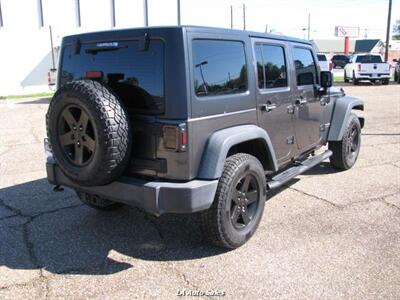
{"x": 192, "y": 119}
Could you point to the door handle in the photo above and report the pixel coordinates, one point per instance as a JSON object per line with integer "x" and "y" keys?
{"x": 301, "y": 101}
{"x": 268, "y": 107}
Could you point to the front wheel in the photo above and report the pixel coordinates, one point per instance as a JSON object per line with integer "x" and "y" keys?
{"x": 238, "y": 204}
{"x": 385, "y": 81}
{"x": 345, "y": 152}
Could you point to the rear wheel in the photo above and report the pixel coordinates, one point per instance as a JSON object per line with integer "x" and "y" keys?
{"x": 385, "y": 81}
{"x": 345, "y": 152}
{"x": 238, "y": 204}
{"x": 355, "y": 80}
{"x": 345, "y": 77}
{"x": 98, "y": 202}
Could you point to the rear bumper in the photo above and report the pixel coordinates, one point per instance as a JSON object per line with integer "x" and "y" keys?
{"x": 368, "y": 76}
{"x": 152, "y": 196}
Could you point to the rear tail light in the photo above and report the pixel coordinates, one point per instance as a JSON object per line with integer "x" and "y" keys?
{"x": 359, "y": 67}
{"x": 94, "y": 74}
{"x": 330, "y": 66}
{"x": 175, "y": 137}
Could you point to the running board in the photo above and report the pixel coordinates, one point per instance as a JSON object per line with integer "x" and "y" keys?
{"x": 292, "y": 172}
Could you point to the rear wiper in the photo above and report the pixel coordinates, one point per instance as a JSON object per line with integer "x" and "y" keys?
{"x": 95, "y": 50}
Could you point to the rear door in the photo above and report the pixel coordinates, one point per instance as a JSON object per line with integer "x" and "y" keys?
{"x": 274, "y": 96}
{"x": 308, "y": 108}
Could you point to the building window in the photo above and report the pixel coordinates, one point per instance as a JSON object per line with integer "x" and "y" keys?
{"x": 271, "y": 66}
{"x": 78, "y": 13}
{"x": 219, "y": 67}
{"x": 40, "y": 13}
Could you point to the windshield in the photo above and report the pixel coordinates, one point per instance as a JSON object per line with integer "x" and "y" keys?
{"x": 369, "y": 59}
{"x": 134, "y": 75}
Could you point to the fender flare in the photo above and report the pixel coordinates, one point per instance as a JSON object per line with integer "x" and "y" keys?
{"x": 219, "y": 143}
{"x": 341, "y": 113}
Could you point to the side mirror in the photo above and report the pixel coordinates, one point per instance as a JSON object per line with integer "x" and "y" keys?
{"x": 326, "y": 79}
{"x": 395, "y": 60}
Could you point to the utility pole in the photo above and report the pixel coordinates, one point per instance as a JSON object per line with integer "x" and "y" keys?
{"x": 145, "y": 13}
{"x": 266, "y": 28}
{"x": 231, "y": 17}
{"x": 112, "y": 9}
{"x": 309, "y": 26}
{"x": 244, "y": 16}
{"x": 388, "y": 30}
{"x": 179, "y": 12}
{"x": 52, "y": 49}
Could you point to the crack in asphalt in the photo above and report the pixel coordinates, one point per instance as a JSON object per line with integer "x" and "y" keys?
{"x": 342, "y": 207}
{"x": 314, "y": 196}
{"x": 29, "y": 244}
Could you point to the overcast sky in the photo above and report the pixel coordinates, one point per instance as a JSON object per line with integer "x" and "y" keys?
{"x": 285, "y": 16}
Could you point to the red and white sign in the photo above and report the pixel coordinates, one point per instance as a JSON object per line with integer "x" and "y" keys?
{"x": 342, "y": 31}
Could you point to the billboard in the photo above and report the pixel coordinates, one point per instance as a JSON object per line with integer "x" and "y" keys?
{"x": 342, "y": 31}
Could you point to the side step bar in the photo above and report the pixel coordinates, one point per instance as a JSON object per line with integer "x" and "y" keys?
{"x": 292, "y": 172}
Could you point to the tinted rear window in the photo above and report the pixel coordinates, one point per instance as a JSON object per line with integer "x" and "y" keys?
{"x": 369, "y": 59}
{"x": 136, "y": 76}
{"x": 321, "y": 57}
{"x": 219, "y": 67}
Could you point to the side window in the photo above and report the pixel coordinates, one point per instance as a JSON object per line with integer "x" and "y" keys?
{"x": 219, "y": 67}
{"x": 271, "y": 66}
{"x": 306, "y": 72}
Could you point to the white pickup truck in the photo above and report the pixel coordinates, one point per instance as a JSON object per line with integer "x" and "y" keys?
{"x": 367, "y": 67}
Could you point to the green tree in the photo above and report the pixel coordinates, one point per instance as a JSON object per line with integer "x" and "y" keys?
{"x": 396, "y": 30}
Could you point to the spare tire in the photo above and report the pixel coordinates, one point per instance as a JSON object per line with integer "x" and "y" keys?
{"x": 89, "y": 132}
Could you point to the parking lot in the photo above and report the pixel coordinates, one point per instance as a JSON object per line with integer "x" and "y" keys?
{"x": 327, "y": 234}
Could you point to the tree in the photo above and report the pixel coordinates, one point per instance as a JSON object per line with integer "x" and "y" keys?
{"x": 396, "y": 30}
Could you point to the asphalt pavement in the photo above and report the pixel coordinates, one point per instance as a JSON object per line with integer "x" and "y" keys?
{"x": 327, "y": 235}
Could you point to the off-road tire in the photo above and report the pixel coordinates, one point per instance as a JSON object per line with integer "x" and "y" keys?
{"x": 98, "y": 202}
{"x": 216, "y": 222}
{"x": 340, "y": 158}
{"x": 111, "y": 128}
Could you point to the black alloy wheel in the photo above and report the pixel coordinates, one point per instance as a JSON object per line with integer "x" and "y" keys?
{"x": 244, "y": 201}
{"x": 76, "y": 135}
{"x": 352, "y": 144}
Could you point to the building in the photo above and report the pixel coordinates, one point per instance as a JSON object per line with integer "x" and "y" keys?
{"x": 25, "y": 48}
{"x": 333, "y": 46}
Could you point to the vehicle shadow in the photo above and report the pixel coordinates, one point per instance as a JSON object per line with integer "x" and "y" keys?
{"x": 40, "y": 228}
{"x": 43, "y": 229}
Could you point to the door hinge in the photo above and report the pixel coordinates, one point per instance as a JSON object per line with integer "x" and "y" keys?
{"x": 291, "y": 109}
{"x": 290, "y": 140}
{"x": 324, "y": 127}
{"x": 324, "y": 101}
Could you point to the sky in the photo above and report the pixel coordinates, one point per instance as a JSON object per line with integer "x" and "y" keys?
{"x": 288, "y": 17}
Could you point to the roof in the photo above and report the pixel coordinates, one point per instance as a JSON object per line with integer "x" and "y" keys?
{"x": 202, "y": 29}
{"x": 333, "y": 45}
{"x": 365, "y": 45}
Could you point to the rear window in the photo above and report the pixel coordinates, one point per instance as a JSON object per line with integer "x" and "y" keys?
{"x": 321, "y": 57}
{"x": 369, "y": 59}
{"x": 219, "y": 67}
{"x": 137, "y": 76}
